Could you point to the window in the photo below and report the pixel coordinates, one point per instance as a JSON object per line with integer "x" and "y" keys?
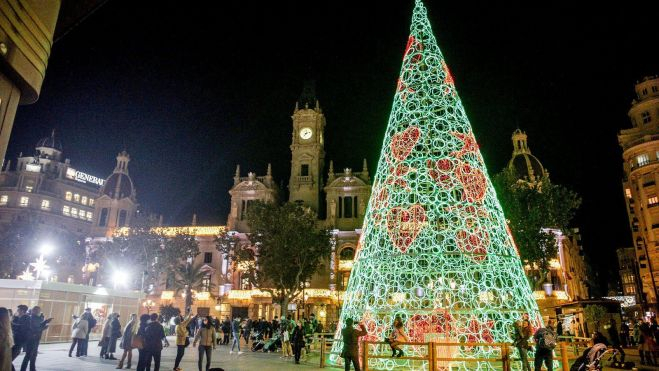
{"x": 653, "y": 200}
{"x": 29, "y": 189}
{"x": 25, "y": 201}
{"x": 644, "y": 92}
{"x": 74, "y": 212}
{"x": 76, "y": 197}
{"x": 628, "y": 193}
{"x": 643, "y": 159}
{"x": 347, "y": 253}
{"x": 4, "y": 199}
{"x": 122, "y": 218}
{"x": 645, "y": 116}
{"x": 89, "y": 215}
{"x": 304, "y": 170}
{"x": 655, "y": 89}
{"x": 208, "y": 257}
{"x": 205, "y": 284}
{"x": 68, "y": 196}
{"x": 83, "y": 200}
{"x": 347, "y": 207}
{"x": 66, "y": 210}
{"x": 45, "y": 205}
{"x": 103, "y": 220}
{"x": 91, "y": 201}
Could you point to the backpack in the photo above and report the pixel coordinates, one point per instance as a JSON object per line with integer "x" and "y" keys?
{"x": 547, "y": 340}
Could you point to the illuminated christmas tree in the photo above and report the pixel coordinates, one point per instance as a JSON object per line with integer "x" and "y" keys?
{"x": 435, "y": 249}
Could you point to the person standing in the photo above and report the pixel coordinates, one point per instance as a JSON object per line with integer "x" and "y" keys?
{"x": 624, "y": 334}
{"x": 235, "y": 332}
{"x": 545, "y": 338}
{"x": 297, "y": 340}
{"x": 226, "y": 329}
{"x": 247, "y": 330}
{"x": 105, "y": 338}
{"x": 153, "y": 338}
{"x": 6, "y": 340}
{"x": 521, "y": 335}
{"x": 286, "y": 342}
{"x": 143, "y": 361}
{"x": 350, "y": 338}
{"x": 79, "y": 331}
{"x": 615, "y": 340}
{"x": 127, "y": 342}
{"x": 182, "y": 338}
{"x": 115, "y": 333}
{"x": 275, "y": 326}
{"x": 91, "y": 322}
{"x": 19, "y": 327}
{"x": 35, "y": 328}
{"x": 206, "y": 338}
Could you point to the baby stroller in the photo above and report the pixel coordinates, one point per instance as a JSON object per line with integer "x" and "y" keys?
{"x": 591, "y": 359}
{"x": 272, "y": 345}
{"x": 258, "y": 342}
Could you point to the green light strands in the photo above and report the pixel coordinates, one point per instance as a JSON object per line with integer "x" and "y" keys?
{"x": 435, "y": 249}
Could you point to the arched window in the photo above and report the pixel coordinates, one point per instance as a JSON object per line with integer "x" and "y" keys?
{"x": 122, "y": 218}
{"x": 347, "y": 253}
{"x": 103, "y": 219}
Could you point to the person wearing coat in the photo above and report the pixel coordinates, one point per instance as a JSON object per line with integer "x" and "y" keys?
{"x": 297, "y": 340}
{"x": 350, "y": 344}
{"x": 6, "y": 340}
{"x": 115, "y": 333}
{"x": 79, "y": 331}
{"x": 182, "y": 341}
{"x": 105, "y": 337}
{"x": 127, "y": 342}
{"x": 206, "y": 338}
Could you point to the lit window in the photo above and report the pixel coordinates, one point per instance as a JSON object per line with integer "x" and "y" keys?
{"x": 645, "y": 116}
{"x": 68, "y": 196}
{"x": 74, "y": 212}
{"x": 628, "y": 193}
{"x": 76, "y": 197}
{"x": 25, "y": 201}
{"x": 91, "y": 202}
{"x": 45, "y": 205}
{"x": 83, "y": 200}
{"x": 653, "y": 200}
{"x": 643, "y": 159}
{"x": 66, "y": 210}
{"x": 4, "y": 199}
{"x": 28, "y": 188}
{"x": 89, "y": 215}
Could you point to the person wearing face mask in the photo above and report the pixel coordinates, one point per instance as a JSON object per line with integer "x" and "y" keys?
{"x": 205, "y": 336}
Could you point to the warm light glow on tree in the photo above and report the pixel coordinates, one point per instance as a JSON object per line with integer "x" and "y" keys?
{"x": 435, "y": 248}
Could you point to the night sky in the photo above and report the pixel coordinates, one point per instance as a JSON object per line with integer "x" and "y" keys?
{"x": 192, "y": 90}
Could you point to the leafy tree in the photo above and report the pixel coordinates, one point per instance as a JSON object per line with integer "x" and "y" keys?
{"x": 596, "y": 314}
{"x": 188, "y": 278}
{"x": 285, "y": 249}
{"x": 530, "y": 210}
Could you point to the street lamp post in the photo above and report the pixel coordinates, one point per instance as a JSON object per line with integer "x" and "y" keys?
{"x": 148, "y": 304}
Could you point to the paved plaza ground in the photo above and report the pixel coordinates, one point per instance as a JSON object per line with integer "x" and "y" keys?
{"x": 54, "y": 357}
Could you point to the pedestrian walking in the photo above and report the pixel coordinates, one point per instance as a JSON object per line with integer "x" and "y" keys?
{"x": 182, "y": 338}
{"x": 143, "y": 360}
{"x": 545, "y": 338}
{"x": 350, "y": 352}
{"x": 235, "y": 332}
{"x": 646, "y": 349}
{"x": 297, "y": 341}
{"x": 6, "y": 340}
{"x": 154, "y": 334}
{"x": 286, "y": 343}
{"x": 79, "y": 331}
{"x": 127, "y": 342}
{"x": 206, "y": 338}
{"x": 19, "y": 328}
{"x": 35, "y": 327}
{"x": 521, "y": 335}
{"x": 396, "y": 337}
{"x": 226, "y": 329}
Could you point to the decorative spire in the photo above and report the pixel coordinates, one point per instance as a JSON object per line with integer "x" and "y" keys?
{"x": 236, "y": 177}
{"x": 194, "y": 219}
{"x": 123, "y": 158}
{"x": 330, "y": 173}
{"x": 365, "y": 169}
{"x": 269, "y": 173}
{"x": 520, "y": 145}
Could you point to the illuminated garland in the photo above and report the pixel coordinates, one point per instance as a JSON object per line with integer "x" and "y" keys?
{"x": 435, "y": 248}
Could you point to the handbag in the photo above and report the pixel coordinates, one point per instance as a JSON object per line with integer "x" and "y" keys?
{"x": 187, "y": 341}
{"x": 137, "y": 342}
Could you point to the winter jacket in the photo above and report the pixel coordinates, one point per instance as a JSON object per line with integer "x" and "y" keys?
{"x": 205, "y": 337}
{"x": 351, "y": 341}
{"x": 182, "y": 330}
{"x": 79, "y": 329}
{"x": 153, "y": 335}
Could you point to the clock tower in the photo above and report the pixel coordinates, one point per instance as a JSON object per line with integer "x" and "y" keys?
{"x": 308, "y": 150}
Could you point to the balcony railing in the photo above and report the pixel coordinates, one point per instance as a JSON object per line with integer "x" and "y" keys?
{"x": 304, "y": 179}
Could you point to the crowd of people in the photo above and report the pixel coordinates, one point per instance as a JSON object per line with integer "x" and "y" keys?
{"x": 21, "y": 332}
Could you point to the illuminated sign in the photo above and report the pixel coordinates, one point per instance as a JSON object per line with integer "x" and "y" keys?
{"x": 81, "y": 177}
{"x": 35, "y": 168}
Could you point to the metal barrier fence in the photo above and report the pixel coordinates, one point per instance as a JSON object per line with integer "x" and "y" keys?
{"x": 565, "y": 352}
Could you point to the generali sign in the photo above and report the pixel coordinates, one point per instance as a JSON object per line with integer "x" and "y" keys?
{"x": 81, "y": 177}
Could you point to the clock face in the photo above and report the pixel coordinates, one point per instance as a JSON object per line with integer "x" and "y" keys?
{"x": 306, "y": 133}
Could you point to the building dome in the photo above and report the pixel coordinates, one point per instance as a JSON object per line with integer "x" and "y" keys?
{"x": 527, "y": 166}
{"x": 50, "y": 142}
{"x": 118, "y": 186}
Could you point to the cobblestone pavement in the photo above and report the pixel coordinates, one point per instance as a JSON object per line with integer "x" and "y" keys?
{"x": 54, "y": 357}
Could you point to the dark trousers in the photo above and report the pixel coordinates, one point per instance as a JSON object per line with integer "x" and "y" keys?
{"x": 297, "y": 351}
{"x": 180, "y": 351}
{"x": 15, "y": 352}
{"x": 144, "y": 360}
{"x": 155, "y": 354}
{"x": 104, "y": 348}
{"x": 354, "y": 361}
{"x": 75, "y": 342}
{"x": 543, "y": 355}
{"x": 204, "y": 349}
{"x": 85, "y": 344}
{"x": 225, "y": 340}
{"x": 31, "y": 348}
{"x": 246, "y": 335}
